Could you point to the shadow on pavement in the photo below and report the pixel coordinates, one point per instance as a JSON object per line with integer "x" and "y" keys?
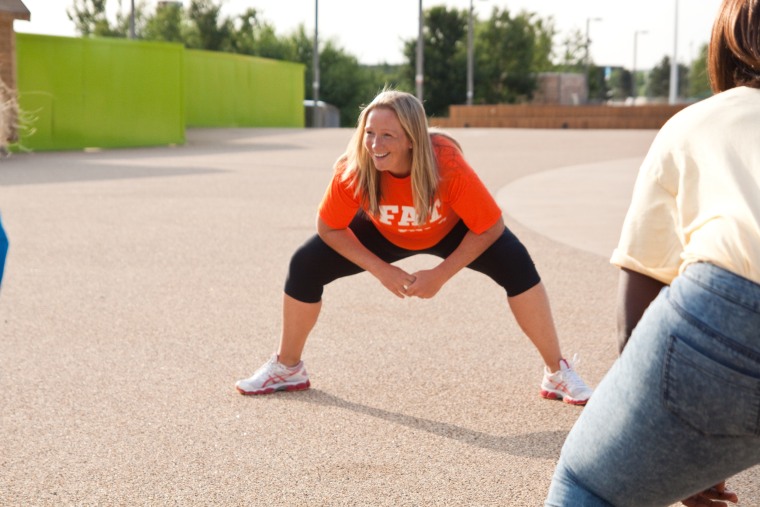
{"x": 540, "y": 444}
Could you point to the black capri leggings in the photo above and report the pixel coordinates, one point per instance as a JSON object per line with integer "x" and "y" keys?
{"x": 315, "y": 264}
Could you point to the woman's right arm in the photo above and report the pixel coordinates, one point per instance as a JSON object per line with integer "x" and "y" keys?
{"x": 346, "y": 244}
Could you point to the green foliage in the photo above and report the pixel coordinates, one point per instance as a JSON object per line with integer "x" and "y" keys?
{"x": 89, "y": 17}
{"x": 510, "y": 51}
{"x": 640, "y": 82}
{"x": 620, "y": 84}
{"x": 573, "y": 56}
{"x": 343, "y": 82}
{"x": 444, "y": 57}
{"x": 598, "y": 90}
{"x": 544, "y": 31}
{"x": 254, "y": 36}
{"x": 167, "y": 24}
{"x": 658, "y": 84}
{"x": 207, "y": 30}
{"x": 699, "y": 80}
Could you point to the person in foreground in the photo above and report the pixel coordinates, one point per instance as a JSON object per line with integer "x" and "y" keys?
{"x": 679, "y": 411}
{"x": 397, "y": 191}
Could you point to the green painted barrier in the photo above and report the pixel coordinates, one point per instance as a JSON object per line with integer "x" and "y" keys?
{"x": 229, "y": 90}
{"x": 106, "y": 93}
{"x": 116, "y": 93}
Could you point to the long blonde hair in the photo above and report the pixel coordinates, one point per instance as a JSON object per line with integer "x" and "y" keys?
{"x": 360, "y": 169}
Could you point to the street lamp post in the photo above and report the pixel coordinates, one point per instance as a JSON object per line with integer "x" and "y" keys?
{"x": 588, "y": 45}
{"x": 315, "y": 64}
{"x": 674, "y": 62}
{"x": 470, "y": 59}
{"x": 470, "y": 65}
{"x": 419, "y": 77}
{"x": 132, "y": 21}
{"x": 635, "y": 49}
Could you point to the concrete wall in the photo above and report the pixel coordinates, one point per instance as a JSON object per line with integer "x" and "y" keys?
{"x": 562, "y": 88}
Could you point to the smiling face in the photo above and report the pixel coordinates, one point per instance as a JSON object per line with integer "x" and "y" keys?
{"x": 387, "y": 143}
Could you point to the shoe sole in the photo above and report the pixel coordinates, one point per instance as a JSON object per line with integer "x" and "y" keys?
{"x": 551, "y": 395}
{"x": 269, "y": 390}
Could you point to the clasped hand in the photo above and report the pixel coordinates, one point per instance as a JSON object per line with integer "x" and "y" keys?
{"x": 422, "y": 284}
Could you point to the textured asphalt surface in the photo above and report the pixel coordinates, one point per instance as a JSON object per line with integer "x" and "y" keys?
{"x": 142, "y": 283}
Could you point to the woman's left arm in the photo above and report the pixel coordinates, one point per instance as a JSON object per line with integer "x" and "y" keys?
{"x": 635, "y": 292}
{"x": 428, "y": 282}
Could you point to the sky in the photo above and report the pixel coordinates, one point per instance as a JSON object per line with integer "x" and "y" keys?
{"x": 374, "y": 31}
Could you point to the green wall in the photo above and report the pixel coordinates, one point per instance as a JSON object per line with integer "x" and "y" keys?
{"x": 228, "y": 90}
{"x": 99, "y": 92}
{"x": 111, "y": 93}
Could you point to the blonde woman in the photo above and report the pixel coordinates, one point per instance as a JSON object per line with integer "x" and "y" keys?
{"x": 400, "y": 190}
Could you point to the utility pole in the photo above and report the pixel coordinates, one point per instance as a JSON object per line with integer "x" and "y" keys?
{"x": 673, "y": 96}
{"x": 315, "y": 82}
{"x": 634, "y": 86}
{"x": 419, "y": 78}
{"x": 588, "y": 54}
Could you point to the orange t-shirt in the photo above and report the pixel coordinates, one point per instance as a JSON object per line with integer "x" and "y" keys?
{"x": 460, "y": 195}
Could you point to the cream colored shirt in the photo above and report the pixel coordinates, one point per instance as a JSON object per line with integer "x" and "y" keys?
{"x": 697, "y": 195}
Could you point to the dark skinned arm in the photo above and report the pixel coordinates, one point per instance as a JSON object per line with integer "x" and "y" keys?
{"x": 635, "y": 292}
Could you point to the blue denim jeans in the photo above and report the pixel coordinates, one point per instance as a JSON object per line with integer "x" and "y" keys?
{"x": 679, "y": 411}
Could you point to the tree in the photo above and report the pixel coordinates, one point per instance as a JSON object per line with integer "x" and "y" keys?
{"x": 620, "y": 84}
{"x": 659, "y": 80}
{"x": 543, "y": 54}
{"x": 207, "y": 31}
{"x": 699, "y": 80}
{"x": 121, "y": 28}
{"x": 444, "y": 58}
{"x": 254, "y": 36}
{"x": 166, "y": 24}
{"x": 639, "y": 80}
{"x": 598, "y": 91}
{"x": 343, "y": 82}
{"x": 511, "y": 50}
{"x": 573, "y": 56}
{"x": 89, "y": 17}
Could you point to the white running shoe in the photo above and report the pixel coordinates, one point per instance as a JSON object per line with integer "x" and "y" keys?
{"x": 275, "y": 376}
{"x": 565, "y": 384}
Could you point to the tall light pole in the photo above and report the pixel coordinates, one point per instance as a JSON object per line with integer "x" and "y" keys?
{"x": 674, "y": 62}
{"x": 633, "y": 72}
{"x": 419, "y": 77}
{"x": 470, "y": 59}
{"x": 588, "y": 45}
{"x": 315, "y": 64}
{"x": 132, "y": 21}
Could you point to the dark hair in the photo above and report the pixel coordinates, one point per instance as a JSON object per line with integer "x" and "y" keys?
{"x": 734, "y": 56}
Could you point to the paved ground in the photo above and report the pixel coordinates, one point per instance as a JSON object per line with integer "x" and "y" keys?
{"x": 142, "y": 283}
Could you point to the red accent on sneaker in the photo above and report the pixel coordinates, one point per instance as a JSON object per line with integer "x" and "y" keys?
{"x": 549, "y": 395}
{"x": 269, "y": 390}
